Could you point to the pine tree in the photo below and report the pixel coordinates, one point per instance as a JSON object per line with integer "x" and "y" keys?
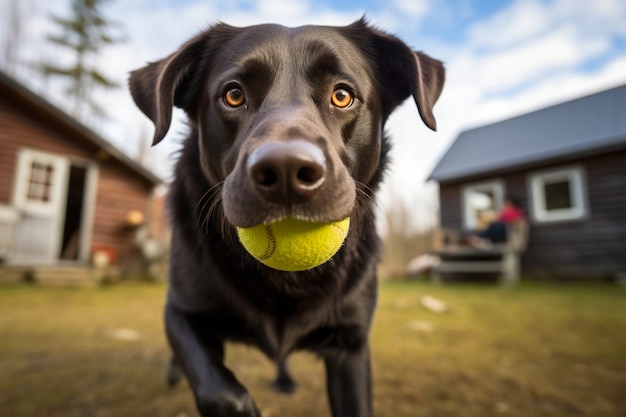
{"x": 83, "y": 34}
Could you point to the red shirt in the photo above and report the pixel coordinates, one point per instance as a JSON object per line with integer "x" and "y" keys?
{"x": 511, "y": 214}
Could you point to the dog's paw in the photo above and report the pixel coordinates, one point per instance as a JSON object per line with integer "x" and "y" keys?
{"x": 173, "y": 374}
{"x": 228, "y": 404}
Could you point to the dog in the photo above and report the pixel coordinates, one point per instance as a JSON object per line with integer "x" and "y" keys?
{"x": 284, "y": 122}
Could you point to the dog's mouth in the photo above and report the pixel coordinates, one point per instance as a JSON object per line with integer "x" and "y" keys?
{"x": 280, "y": 214}
{"x": 288, "y": 179}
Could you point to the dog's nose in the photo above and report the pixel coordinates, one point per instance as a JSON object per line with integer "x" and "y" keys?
{"x": 287, "y": 172}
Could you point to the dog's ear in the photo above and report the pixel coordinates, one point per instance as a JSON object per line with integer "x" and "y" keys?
{"x": 160, "y": 85}
{"x": 426, "y": 86}
{"x": 403, "y": 72}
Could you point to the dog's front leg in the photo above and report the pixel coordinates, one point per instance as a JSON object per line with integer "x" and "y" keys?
{"x": 216, "y": 390}
{"x": 348, "y": 381}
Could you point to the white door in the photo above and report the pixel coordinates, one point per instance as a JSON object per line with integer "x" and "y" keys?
{"x": 40, "y": 197}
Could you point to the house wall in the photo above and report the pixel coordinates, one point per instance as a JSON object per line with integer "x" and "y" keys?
{"x": 119, "y": 188}
{"x": 591, "y": 247}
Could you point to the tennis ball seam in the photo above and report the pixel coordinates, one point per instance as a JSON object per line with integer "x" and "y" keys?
{"x": 337, "y": 230}
{"x": 271, "y": 244}
{"x": 304, "y": 245}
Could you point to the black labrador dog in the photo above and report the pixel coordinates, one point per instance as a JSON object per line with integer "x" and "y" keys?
{"x": 284, "y": 122}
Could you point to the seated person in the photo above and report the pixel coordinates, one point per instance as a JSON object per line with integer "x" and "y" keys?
{"x": 496, "y": 231}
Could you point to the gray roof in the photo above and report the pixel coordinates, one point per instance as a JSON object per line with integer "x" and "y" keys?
{"x": 581, "y": 127}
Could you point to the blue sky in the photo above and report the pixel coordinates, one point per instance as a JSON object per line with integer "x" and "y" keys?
{"x": 503, "y": 58}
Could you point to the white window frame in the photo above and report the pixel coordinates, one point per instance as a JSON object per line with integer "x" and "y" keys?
{"x": 575, "y": 174}
{"x": 57, "y": 190}
{"x": 496, "y": 186}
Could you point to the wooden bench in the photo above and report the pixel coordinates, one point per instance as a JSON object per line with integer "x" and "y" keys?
{"x": 502, "y": 259}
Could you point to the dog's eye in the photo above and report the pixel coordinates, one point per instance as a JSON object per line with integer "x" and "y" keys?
{"x": 341, "y": 98}
{"x": 234, "y": 97}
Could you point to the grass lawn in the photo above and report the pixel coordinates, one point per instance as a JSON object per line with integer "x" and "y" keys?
{"x": 538, "y": 350}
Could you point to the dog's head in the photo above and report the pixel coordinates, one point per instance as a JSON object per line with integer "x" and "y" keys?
{"x": 290, "y": 120}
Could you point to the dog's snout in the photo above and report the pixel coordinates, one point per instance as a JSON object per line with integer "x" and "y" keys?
{"x": 287, "y": 172}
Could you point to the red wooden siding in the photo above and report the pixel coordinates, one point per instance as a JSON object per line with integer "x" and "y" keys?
{"x": 120, "y": 188}
{"x": 118, "y": 194}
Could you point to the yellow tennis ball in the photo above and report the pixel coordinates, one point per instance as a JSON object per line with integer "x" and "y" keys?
{"x": 294, "y": 245}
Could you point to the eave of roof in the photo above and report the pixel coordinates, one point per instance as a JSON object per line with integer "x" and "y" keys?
{"x": 44, "y": 107}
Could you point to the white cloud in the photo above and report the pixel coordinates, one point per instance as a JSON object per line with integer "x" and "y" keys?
{"x": 531, "y": 39}
{"x": 600, "y": 17}
{"x": 509, "y": 63}
{"x": 412, "y": 8}
{"x": 560, "y": 87}
{"x": 562, "y": 48}
{"x": 524, "y": 20}
{"x": 281, "y": 9}
{"x": 516, "y": 23}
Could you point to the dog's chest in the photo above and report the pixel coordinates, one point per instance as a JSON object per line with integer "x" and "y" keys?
{"x": 278, "y": 337}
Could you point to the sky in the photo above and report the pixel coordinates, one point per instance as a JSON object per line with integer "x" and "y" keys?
{"x": 503, "y": 58}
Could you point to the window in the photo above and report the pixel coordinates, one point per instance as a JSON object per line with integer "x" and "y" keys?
{"x": 39, "y": 182}
{"x": 481, "y": 203}
{"x": 558, "y": 194}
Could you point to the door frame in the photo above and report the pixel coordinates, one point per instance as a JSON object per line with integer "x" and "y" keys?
{"x": 60, "y": 192}
{"x": 89, "y": 207}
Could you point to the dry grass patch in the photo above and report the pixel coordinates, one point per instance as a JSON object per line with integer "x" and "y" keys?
{"x": 539, "y": 350}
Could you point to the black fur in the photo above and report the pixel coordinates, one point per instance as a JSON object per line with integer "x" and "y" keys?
{"x": 217, "y": 291}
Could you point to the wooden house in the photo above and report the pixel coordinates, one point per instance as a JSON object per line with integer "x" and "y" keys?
{"x": 566, "y": 164}
{"x": 66, "y": 194}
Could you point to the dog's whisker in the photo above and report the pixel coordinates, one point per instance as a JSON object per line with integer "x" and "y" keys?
{"x": 366, "y": 203}
{"x": 211, "y": 198}
{"x": 216, "y": 210}
{"x": 212, "y": 208}
{"x": 199, "y": 210}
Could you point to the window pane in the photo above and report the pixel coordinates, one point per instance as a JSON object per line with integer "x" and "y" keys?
{"x": 482, "y": 207}
{"x": 558, "y": 195}
{"x": 39, "y": 182}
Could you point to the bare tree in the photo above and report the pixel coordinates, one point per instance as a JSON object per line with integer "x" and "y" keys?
{"x": 13, "y": 33}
